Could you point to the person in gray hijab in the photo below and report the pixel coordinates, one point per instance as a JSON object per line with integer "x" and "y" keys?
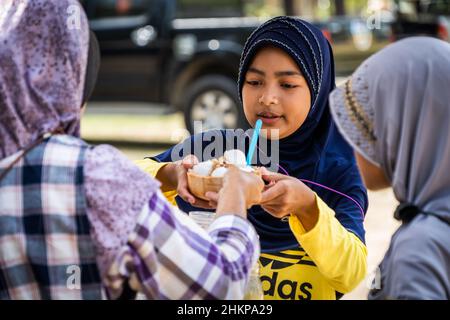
{"x": 395, "y": 112}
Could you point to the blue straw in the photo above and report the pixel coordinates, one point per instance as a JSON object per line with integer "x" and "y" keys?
{"x": 255, "y": 136}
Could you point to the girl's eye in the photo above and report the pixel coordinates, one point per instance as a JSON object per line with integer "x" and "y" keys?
{"x": 253, "y": 82}
{"x": 288, "y": 86}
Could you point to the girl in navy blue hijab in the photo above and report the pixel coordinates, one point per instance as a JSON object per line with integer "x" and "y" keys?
{"x": 286, "y": 74}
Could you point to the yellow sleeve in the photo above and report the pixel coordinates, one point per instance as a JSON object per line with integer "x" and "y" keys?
{"x": 152, "y": 167}
{"x": 340, "y": 255}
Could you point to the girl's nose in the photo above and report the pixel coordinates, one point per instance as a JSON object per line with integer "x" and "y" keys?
{"x": 268, "y": 99}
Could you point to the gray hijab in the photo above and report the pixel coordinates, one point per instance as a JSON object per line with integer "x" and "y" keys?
{"x": 43, "y": 54}
{"x": 395, "y": 111}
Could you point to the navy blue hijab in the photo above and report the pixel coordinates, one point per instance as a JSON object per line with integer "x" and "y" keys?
{"x": 315, "y": 152}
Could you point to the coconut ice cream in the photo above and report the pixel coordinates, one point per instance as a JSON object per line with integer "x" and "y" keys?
{"x": 235, "y": 157}
{"x": 203, "y": 168}
{"x": 208, "y": 175}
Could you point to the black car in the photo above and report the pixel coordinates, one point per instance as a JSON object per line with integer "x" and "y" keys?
{"x": 185, "y": 53}
{"x": 422, "y": 17}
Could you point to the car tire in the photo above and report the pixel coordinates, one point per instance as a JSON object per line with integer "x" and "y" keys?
{"x": 214, "y": 101}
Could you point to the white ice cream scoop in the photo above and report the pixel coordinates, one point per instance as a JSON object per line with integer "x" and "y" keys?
{"x": 203, "y": 168}
{"x": 236, "y": 157}
{"x": 219, "y": 172}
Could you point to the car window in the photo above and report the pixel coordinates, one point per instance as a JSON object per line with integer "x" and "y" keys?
{"x": 119, "y": 8}
{"x": 414, "y": 7}
{"x": 441, "y": 7}
{"x": 228, "y": 8}
{"x": 209, "y": 9}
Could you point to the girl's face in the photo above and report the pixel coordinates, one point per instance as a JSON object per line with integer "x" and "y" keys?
{"x": 276, "y": 92}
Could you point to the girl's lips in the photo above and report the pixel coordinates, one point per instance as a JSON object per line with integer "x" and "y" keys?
{"x": 269, "y": 120}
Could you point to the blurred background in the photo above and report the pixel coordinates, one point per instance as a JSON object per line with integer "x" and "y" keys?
{"x": 169, "y": 68}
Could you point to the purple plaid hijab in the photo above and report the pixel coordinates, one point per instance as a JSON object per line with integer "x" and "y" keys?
{"x": 43, "y": 57}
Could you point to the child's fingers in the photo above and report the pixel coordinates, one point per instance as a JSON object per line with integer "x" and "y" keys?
{"x": 189, "y": 161}
{"x": 274, "y": 211}
{"x": 271, "y": 193}
{"x": 199, "y": 203}
{"x": 271, "y": 209}
{"x": 213, "y": 204}
{"x": 264, "y": 171}
{"x": 212, "y": 196}
{"x": 274, "y": 177}
{"x": 185, "y": 194}
{"x": 183, "y": 189}
{"x": 268, "y": 186}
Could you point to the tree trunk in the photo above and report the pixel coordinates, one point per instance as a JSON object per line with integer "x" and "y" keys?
{"x": 340, "y": 7}
{"x": 289, "y": 7}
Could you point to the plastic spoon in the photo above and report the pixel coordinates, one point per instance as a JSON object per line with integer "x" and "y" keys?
{"x": 253, "y": 142}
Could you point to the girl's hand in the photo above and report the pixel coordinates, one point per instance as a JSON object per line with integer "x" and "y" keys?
{"x": 240, "y": 191}
{"x": 180, "y": 169}
{"x": 287, "y": 195}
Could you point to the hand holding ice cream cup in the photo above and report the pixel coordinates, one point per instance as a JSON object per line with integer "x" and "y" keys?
{"x": 237, "y": 185}
{"x": 210, "y": 179}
